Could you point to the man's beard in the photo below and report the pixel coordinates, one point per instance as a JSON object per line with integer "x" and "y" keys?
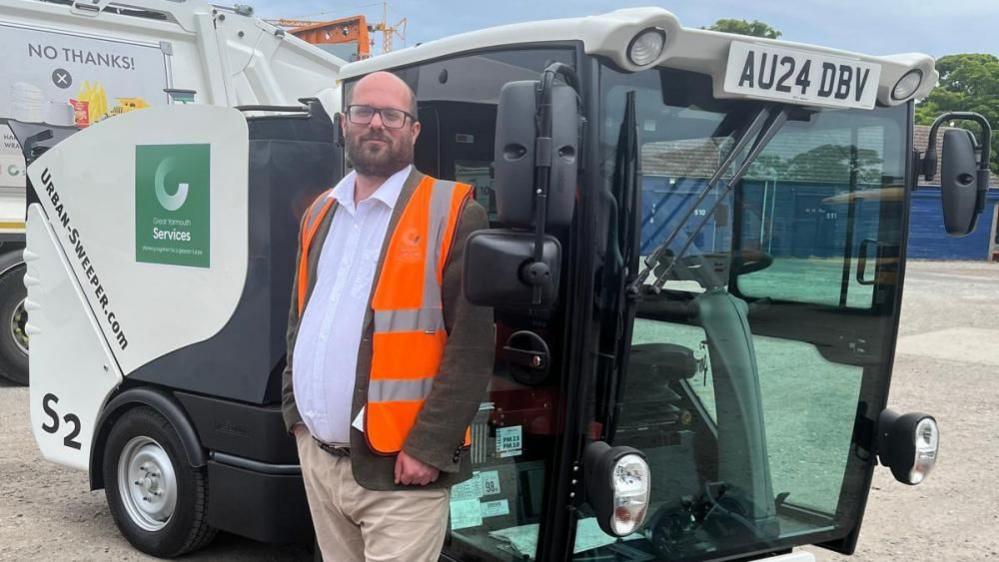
{"x": 383, "y": 161}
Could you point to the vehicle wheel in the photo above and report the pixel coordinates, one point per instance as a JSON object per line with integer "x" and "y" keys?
{"x": 158, "y": 501}
{"x": 13, "y": 317}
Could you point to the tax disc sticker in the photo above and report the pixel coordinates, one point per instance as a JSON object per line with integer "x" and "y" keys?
{"x": 490, "y": 482}
{"x": 509, "y": 441}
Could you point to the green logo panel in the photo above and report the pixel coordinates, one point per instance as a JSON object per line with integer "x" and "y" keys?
{"x": 172, "y": 212}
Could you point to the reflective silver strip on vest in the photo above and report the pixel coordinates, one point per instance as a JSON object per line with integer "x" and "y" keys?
{"x": 399, "y": 390}
{"x": 317, "y": 207}
{"x": 409, "y": 320}
{"x": 440, "y": 208}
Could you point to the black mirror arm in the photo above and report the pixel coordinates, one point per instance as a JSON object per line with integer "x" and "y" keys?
{"x": 929, "y": 159}
{"x": 536, "y": 273}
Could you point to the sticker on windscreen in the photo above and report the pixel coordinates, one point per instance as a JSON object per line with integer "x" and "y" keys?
{"x": 509, "y": 441}
{"x": 490, "y": 482}
{"x": 495, "y": 508}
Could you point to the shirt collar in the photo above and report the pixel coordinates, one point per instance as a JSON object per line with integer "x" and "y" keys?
{"x": 388, "y": 192}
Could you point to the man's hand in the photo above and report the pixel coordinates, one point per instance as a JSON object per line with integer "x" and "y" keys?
{"x": 411, "y": 471}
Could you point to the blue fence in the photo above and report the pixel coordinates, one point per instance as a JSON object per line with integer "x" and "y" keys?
{"x": 789, "y": 220}
{"x": 929, "y": 240}
{"x": 799, "y": 220}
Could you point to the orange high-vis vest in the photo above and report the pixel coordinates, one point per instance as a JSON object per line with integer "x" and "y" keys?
{"x": 410, "y": 335}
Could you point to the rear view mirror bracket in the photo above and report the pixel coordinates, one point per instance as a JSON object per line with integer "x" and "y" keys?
{"x": 928, "y": 161}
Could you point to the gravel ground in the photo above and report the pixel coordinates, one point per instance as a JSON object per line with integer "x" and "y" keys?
{"x": 945, "y": 366}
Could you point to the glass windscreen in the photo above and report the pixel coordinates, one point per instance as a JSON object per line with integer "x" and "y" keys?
{"x": 765, "y": 313}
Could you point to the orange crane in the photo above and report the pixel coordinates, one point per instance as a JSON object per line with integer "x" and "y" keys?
{"x": 353, "y": 29}
{"x": 388, "y": 31}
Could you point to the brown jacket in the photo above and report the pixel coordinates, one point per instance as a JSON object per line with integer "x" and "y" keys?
{"x": 460, "y": 384}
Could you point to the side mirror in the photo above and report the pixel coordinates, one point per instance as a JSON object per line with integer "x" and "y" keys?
{"x": 524, "y": 154}
{"x": 500, "y": 270}
{"x": 960, "y": 183}
{"x": 618, "y": 486}
{"x": 537, "y": 138}
{"x": 908, "y": 445}
{"x": 964, "y": 175}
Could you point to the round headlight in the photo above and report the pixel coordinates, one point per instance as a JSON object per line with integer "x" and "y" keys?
{"x": 631, "y": 485}
{"x": 646, "y": 47}
{"x": 927, "y": 443}
{"x": 618, "y": 486}
{"x": 907, "y": 85}
{"x": 908, "y": 444}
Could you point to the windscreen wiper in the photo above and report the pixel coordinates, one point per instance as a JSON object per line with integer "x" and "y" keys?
{"x": 761, "y": 130}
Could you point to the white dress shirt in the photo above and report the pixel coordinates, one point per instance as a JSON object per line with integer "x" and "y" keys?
{"x": 325, "y": 356}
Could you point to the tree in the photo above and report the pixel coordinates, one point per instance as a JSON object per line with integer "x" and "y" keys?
{"x": 968, "y": 82}
{"x": 754, "y": 28}
{"x": 828, "y": 163}
{"x": 834, "y": 163}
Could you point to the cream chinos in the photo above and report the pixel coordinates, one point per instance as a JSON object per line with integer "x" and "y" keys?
{"x": 353, "y": 523}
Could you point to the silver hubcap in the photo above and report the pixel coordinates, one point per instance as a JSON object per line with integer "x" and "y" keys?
{"x": 17, "y": 321}
{"x": 147, "y": 483}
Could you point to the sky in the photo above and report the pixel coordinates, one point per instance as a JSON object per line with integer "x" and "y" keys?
{"x": 874, "y": 27}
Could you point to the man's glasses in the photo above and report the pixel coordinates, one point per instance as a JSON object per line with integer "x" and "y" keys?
{"x": 391, "y": 118}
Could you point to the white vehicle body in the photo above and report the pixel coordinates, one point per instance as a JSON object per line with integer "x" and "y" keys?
{"x": 107, "y": 277}
{"x": 116, "y": 55}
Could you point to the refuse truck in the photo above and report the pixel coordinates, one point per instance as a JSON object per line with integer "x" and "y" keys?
{"x": 74, "y": 64}
{"x": 696, "y": 261}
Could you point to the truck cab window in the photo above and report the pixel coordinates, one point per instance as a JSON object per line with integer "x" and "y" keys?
{"x": 817, "y": 200}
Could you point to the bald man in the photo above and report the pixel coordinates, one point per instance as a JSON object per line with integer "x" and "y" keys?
{"x": 387, "y": 361}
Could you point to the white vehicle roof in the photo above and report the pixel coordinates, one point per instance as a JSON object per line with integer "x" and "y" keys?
{"x": 609, "y": 35}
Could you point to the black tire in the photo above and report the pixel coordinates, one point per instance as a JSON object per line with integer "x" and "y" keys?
{"x": 186, "y": 529}
{"x": 13, "y": 359}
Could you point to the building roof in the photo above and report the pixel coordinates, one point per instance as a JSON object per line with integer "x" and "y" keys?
{"x": 784, "y": 159}
{"x": 790, "y": 157}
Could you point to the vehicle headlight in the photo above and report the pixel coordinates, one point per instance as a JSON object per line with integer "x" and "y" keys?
{"x": 646, "y": 47}
{"x": 927, "y": 443}
{"x": 908, "y": 444}
{"x": 618, "y": 485}
{"x": 631, "y": 494}
{"x": 907, "y": 85}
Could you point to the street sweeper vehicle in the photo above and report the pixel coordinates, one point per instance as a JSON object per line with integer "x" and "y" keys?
{"x": 696, "y": 262}
{"x": 75, "y": 64}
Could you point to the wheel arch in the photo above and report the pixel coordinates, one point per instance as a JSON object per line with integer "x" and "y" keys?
{"x": 161, "y": 402}
{"x": 11, "y": 258}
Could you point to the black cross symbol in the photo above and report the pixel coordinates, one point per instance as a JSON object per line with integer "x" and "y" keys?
{"x": 62, "y": 78}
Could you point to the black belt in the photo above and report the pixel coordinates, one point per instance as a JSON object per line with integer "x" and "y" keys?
{"x": 333, "y": 450}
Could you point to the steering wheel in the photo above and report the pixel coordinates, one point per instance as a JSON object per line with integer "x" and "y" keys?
{"x": 712, "y": 269}
{"x": 750, "y": 261}
{"x": 708, "y": 270}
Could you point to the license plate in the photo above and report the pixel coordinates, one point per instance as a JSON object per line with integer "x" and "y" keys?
{"x": 800, "y": 77}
